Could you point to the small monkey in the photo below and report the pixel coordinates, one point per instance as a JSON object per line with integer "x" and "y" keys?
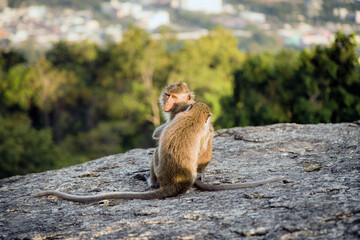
{"x": 181, "y": 143}
{"x": 175, "y": 99}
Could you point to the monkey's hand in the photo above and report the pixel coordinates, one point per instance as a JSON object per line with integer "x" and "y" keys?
{"x": 158, "y": 131}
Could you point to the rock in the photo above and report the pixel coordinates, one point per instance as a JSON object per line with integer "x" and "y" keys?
{"x": 318, "y": 199}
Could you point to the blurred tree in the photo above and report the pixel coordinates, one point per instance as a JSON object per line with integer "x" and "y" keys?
{"x": 207, "y": 65}
{"x": 106, "y": 139}
{"x": 9, "y": 59}
{"x": 24, "y": 150}
{"x": 56, "y": 90}
{"x": 17, "y": 88}
{"x": 259, "y": 96}
{"x": 319, "y": 85}
{"x": 327, "y": 83}
{"x": 136, "y": 68}
{"x": 81, "y": 58}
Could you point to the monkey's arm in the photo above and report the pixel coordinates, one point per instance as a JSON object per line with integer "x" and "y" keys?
{"x": 152, "y": 179}
{"x": 211, "y": 187}
{"x": 158, "y": 131}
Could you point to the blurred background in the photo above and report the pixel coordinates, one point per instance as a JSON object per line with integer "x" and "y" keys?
{"x": 80, "y": 79}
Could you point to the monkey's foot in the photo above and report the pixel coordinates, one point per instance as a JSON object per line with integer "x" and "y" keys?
{"x": 141, "y": 177}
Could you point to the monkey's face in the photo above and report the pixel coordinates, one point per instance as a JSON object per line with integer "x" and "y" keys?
{"x": 172, "y": 99}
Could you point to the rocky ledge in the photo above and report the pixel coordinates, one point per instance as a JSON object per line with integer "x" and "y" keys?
{"x": 319, "y": 197}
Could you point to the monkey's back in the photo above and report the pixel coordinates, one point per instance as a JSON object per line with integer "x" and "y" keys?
{"x": 178, "y": 151}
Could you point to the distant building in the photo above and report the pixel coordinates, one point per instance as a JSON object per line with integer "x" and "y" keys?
{"x": 314, "y": 7}
{"x": 290, "y": 36}
{"x": 322, "y": 38}
{"x": 357, "y": 16}
{"x": 184, "y": 35}
{"x": 340, "y": 12}
{"x": 206, "y": 6}
{"x": 3, "y": 4}
{"x": 3, "y": 34}
{"x": 129, "y": 9}
{"x": 122, "y": 9}
{"x": 37, "y": 12}
{"x": 151, "y": 20}
{"x": 253, "y": 16}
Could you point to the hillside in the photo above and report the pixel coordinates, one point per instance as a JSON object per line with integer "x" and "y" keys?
{"x": 319, "y": 198}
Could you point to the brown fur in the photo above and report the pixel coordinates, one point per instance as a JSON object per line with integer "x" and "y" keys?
{"x": 184, "y": 99}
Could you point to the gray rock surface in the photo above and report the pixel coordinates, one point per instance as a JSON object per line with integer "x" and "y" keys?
{"x": 319, "y": 198}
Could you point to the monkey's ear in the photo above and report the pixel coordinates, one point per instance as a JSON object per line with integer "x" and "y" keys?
{"x": 208, "y": 118}
{"x": 191, "y": 96}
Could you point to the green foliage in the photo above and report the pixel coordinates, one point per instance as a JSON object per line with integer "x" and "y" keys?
{"x": 17, "y": 88}
{"x": 83, "y": 59}
{"x": 137, "y": 67}
{"x": 258, "y": 96}
{"x": 24, "y": 149}
{"x": 81, "y": 102}
{"x": 207, "y": 65}
{"x": 9, "y": 59}
{"x": 319, "y": 85}
{"x": 106, "y": 139}
{"x": 328, "y": 83}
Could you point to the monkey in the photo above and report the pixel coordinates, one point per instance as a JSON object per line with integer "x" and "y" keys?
{"x": 181, "y": 142}
{"x": 174, "y": 99}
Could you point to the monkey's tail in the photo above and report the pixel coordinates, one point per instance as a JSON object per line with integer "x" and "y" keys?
{"x": 212, "y": 187}
{"x": 156, "y": 194}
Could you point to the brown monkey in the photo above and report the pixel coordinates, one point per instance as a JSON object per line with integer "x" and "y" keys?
{"x": 174, "y": 99}
{"x": 181, "y": 143}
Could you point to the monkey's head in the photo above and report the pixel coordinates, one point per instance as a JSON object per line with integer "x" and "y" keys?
{"x": 201, "y": 111}
{"x": 176, "y": 96}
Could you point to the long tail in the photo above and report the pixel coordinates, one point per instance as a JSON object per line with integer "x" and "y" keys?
{"x": 211, "y": 187}
{"x": 156, "y": 194}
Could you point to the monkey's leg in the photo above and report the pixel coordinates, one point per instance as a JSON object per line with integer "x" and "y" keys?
{"x": 152, "y": 180}
{"x": 201, "y": 172}
{"x": 204, "y": 160}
